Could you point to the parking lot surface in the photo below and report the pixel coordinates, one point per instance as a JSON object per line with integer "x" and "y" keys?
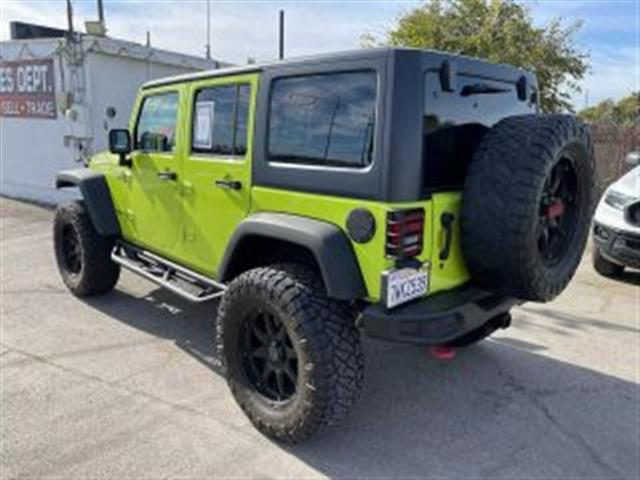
{"x": 125, "y": 385}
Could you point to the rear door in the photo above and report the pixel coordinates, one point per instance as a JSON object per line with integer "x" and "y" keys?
{"x": 217, "y": 168}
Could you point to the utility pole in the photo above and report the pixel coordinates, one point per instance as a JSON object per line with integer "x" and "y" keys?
{"x": 281, "y": 36}
{"x": 208, "y": 46}
{"x": 70, "y": 19}
{"x": 586, "y": 98}
{"x": 100, "y": 12}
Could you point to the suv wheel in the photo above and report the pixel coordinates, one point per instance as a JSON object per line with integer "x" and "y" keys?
{"x": 83, "y": 255}
{"x": 527, "y": 205}
{"x": 293, "y": 356}
{"x": 605, "y": 267}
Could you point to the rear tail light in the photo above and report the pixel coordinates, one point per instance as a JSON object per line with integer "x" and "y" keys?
{"x": 405, "y": 233}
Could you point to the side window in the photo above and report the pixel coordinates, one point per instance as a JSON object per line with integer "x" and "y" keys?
{"x": 325, "y": 119}
{"x": 156, "y": 127}
{"x": 220, "y": 120}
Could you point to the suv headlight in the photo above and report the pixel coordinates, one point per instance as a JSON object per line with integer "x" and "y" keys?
{"x": 618, "y": 200}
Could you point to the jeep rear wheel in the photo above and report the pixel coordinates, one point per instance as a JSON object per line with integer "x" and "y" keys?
{"x": 83, "y": 256}
{"x": 293, "y": 356}
{"x": 527, "y": 205}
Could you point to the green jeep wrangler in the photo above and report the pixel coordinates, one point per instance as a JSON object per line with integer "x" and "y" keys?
{"x": 410, "y": 195}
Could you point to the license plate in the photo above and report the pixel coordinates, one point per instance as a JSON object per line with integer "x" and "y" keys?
{"x": 406, "y": 284}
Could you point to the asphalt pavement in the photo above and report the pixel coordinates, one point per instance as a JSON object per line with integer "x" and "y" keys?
{"x": 125, "y": 385}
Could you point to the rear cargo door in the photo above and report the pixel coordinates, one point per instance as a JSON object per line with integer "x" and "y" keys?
{"x": 455, "y": 120}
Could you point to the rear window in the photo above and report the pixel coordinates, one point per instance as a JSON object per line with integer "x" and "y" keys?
{"x": 220, "y": 120}
{"x": 455, "y": 122}
{"x": 326, "y": 119}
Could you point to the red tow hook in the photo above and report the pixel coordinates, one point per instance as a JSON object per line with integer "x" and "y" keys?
{"x": 556, "y": 209}
{"x": 442, "y": 352}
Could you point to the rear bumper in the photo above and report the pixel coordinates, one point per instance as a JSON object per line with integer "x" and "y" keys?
{"x": 435, "y": 320}
{"x": 617, "y": 246}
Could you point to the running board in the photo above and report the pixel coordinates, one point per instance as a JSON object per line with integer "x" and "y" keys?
{"x": 176, "y": 278}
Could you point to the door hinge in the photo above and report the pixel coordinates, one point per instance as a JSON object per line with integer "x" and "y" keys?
{"x": 187, "y": 188}
{"x": 129, "y": 215}
{"x": 125, "y": 176}
{"x": 188, "y": 235}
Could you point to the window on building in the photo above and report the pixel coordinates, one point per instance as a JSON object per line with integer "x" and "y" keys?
{"x": 156, "y": 128}
{"x": 325, "y": 119}
{"x": 220, "y": 120}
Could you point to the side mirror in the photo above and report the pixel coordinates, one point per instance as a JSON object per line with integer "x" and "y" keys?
{"x": 120, "y": 144}
{"x": 633, "y": 158}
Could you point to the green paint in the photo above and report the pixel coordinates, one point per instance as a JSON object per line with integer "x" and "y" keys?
{"x": 191, "y": 221}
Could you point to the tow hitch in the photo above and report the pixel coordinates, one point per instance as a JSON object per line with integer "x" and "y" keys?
{"x": 443, "y": 352}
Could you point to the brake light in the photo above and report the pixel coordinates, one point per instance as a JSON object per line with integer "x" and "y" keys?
{"x": 405, "y": 233}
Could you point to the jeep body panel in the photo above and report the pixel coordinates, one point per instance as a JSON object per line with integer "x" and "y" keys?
{"x": 327, "y": 243}
{"x": 371, "y": 255}
{"x": 212, "y": 210}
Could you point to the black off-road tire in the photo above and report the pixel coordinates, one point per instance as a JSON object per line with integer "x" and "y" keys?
{"x": 94, "y": 273}
{"x": 506, "y": 186}
{"x": 323, "y": 335}
{"x": 603, "y": 266}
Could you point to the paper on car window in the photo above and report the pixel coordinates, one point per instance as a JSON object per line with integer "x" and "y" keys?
{"x": 203, "y": 126}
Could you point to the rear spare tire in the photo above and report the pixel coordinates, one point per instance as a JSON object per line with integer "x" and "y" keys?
{"x": 527, "y": 205}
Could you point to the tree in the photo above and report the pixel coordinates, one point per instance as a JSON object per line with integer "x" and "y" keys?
{"x": 625, "y": 111}
{"x": 499, "y": 31}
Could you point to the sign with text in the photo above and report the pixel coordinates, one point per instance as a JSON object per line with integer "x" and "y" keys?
{"x": 27, "y": 89}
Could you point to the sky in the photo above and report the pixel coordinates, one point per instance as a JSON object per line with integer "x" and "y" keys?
{"x": 249, "y": 29}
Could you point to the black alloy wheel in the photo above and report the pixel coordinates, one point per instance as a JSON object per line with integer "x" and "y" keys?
{"x": 270, "y": 363}
{"x": 558, "y": 215}
{"x": 71, "y": 250}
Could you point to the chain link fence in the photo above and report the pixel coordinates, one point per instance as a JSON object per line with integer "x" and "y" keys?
{"x": 612, "y": 143}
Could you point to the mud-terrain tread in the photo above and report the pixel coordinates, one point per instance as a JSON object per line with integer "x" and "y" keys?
{"x": 99, "y": 274}
{"x": 325, "y": 325}
{"x": 501, "y": 201}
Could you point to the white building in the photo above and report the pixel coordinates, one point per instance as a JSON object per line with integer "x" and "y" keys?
{"x": 59, "y": 98}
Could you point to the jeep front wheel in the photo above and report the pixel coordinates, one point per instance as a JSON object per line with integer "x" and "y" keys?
{"x": 293, "y": 356}
{"x": 83, "y": 255}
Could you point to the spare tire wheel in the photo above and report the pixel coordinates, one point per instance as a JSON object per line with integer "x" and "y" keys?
{"x": 527, "y": 205}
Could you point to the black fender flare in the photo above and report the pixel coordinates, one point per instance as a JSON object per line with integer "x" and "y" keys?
{"x": 97, "y": 197}
{"x": 327, "y": 243}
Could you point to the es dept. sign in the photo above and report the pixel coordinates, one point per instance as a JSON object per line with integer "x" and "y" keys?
{"x": 27, "y": 89}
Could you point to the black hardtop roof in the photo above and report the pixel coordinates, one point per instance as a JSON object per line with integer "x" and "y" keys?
{"x": 324, "y": 58}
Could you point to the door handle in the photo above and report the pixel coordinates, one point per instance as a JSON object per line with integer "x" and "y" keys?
{"x": 447, "y": 223}
{"x": 229, "y": 184}
{"x": 167, "y": 175}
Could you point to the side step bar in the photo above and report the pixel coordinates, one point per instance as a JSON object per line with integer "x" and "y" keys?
{"x": 180, "y": 280}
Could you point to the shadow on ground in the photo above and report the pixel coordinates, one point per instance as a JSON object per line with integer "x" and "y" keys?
{"x": 497, "y": 410}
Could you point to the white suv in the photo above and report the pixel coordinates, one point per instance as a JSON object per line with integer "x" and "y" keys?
{"x": 616, "y": 226}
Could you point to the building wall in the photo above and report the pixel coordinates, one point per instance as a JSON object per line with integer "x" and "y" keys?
{"x": 33, "y": 150}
